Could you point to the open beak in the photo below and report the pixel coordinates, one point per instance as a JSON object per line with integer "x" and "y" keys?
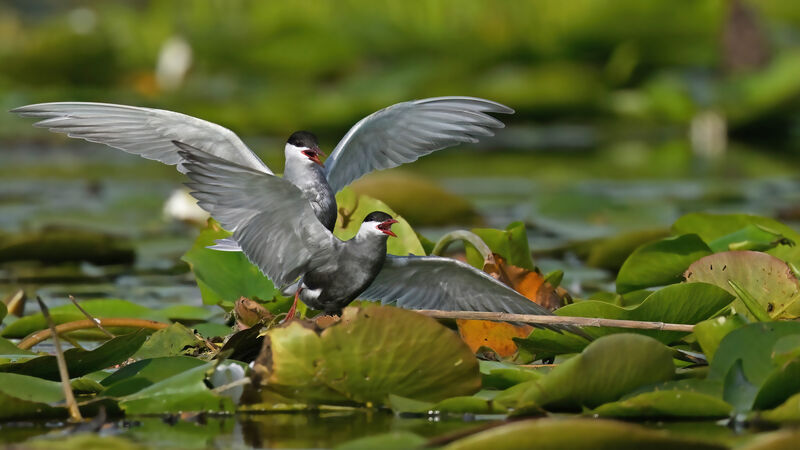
{"x": 313, "y": 154}
{"x": 386, "y": 227}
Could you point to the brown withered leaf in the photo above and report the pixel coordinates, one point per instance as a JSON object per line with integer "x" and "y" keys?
{"x": 249, "y": 312}
{"x": 498, "y": 335}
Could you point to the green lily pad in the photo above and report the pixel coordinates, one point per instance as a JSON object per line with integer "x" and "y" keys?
{"x": 576, "y": 434}
{"x": 788, "y": 411}
{"x": 354, "y": 207}
{"x": 23, "y": 397}
{"x": 9, "y": 352}
{"x": 511, "y": 244}
{"x": 766, "y": 278}
{"x": 685, "y": 303}
{"x": 185, "y": 313}
{"x": 464, "y": 404}
{"x": 174, "y": 340}
{"x": 223, "y": 277}
{"x": 141, "y": 374}
{"x": 499, "y": 375}
{"x": 399, "y": 440}
{"x": 711, "y": 227}
{"x": 420, "y": 200}
{"x": 99, "y": 308}
{"x": 610, "y": 253}
{"x": 290, "y": 365}
{"x": 751, "y": 237}
{"x": 744, "y": 361}
{"x": 183, "y": 392}
{"x": 782, "y": 383}
{"x": 371, "y": 353}
{"x": 666, "y": 404}
{"x": 660, "y": 263}
{"x": 607, "y": 369}
{"x": 54, "y": 246}
{"x": 752, "y": 344}
{"x": 81, "y": 362}
{"x": 83, "y": 441}
{"x": 709, "y": 333}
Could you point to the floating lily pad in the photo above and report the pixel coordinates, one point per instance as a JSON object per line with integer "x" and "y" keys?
{"x": 23, "y": 397}
{"x": 186, "y": 391}
{"x": 666, "y": 404}
{"x": 141, "y": 374}
{"x": 400, "y": 440}
{"x": 420, "y": 200}
{"x": 766, "y": 278}
{"x": 788, "y": 411}
{"x": 711, "y": 227}
{"x": 576, "y": 434}
{"x": 354, "y": 207}
{"x": 223, "y": 277}
{"x": 744, "y": 361}
{"x": 607, "y": 369}
{"x": 53, "y": 246}
{"x": 660, "y": 263}
{"x": 511, "y": 244}
{"x": 371, "y": 353}
{"x": 500, "y": 375}
{"x": 710, "y": 332}
{"x": 174, "y": 340}
{"x": 81, "y": 362}
{"x": 685, "y": 303}
{"x": 98, "y": 308}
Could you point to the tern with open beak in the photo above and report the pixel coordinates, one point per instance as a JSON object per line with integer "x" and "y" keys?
{"x": 395, "y": 135}
{"x": 279, "y": 232}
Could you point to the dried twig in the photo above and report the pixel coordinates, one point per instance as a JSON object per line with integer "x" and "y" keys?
{"x": 43, "y": 335}
{"x": 89, "y": 316}
{"x": 69, "y": 397}
{"x": 556, "y": 320}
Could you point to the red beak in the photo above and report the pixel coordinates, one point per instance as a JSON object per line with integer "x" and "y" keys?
{"x": 313, "y": 154}
{"x": 386, "y": 227}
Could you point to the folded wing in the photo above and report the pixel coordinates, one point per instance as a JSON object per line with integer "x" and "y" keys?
{"x": 273, "y": 223}
{"x": 145, "y": 132}
{"x": 406, "y": 131}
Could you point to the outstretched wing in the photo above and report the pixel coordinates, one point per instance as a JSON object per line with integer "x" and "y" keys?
{"x": 273, "y": 223}
{"x": 403, "y": 132}
{"x": 431, "y": 282}
{"x": 142, "y": 131}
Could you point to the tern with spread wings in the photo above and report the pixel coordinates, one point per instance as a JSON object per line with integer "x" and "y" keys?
{"x": 395, "y": 135}
{"x": 278, "y": 231}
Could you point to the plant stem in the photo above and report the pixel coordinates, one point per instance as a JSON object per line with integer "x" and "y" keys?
{"x": 89, "y": 316}
{"x": 43, "y": 335}
{"x": 462, "y": 235}
{"x": 556, "y": 320}
{"x": 69, "y": 397}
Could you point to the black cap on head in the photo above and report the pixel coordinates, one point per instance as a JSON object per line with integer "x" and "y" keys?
{"x": 304, "y": 139}
{"x": 377, "y": 216}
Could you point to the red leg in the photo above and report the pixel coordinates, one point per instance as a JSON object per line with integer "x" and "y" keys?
{"x": 293, "y": 310}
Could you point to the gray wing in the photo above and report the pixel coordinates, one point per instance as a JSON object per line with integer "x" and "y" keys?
{"x": 403, "y": 132}
{"x": 142, "y": 131}
{"x": 274, "y": 224}
{"x": 431, "y": 282}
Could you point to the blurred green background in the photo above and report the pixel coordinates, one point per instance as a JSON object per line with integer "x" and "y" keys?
{"x": 630, "y": 113}
{"x": 620, "y": 68}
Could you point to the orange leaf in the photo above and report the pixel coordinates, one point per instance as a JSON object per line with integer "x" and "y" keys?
{"x": 497, "y": 335}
